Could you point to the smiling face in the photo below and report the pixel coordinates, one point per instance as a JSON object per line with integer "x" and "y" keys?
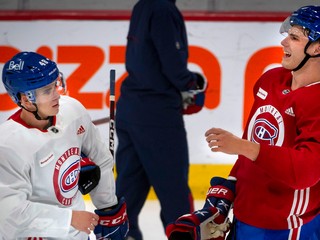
{"x": 293, "y": 46}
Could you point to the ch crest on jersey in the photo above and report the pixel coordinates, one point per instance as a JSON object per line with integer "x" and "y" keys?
{"x": 66, "y": 176}
{"x": 266, "y": 126}
{"x": 264, "y": 131}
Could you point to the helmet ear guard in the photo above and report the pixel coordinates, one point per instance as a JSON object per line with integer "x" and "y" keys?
{"x": 28, "y": 71}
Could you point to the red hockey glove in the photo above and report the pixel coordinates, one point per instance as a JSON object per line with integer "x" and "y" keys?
{"x": 195, "y": 226}
{"x": 113, "y": 224}
{"x": 89, "y": 175}
{"x": 192, "y": 102}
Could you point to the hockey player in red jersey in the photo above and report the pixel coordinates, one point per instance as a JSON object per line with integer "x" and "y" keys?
{"x": 277, "y": 170}
{"x": 40, "y": 154}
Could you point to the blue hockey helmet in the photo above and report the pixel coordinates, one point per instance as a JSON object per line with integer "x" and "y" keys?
{"x": 307, "y": 17}
{"x": 26, "y": 72}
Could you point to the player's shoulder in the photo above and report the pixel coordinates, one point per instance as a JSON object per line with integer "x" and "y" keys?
{"x": 276, "y": 76}
{"x": 71, "y": 105}
{"x": 5, "y": 126}
{"x": 10, "y": 132}
{"x": 278, "y": 72}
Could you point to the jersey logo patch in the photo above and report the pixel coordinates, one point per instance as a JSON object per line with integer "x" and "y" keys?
{"x": 69, "y": 178}
{"x": 266, "y": 126}
{"x": 80, "y": 130}
{"x": 262, "y": 94}
{"x": 66, "y": 176}
{"x": 46, "y": 160}
{"x": 290, "y": 112}
{"x": 264, "y": 131}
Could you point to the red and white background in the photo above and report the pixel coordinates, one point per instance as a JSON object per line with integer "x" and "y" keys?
{"x": 231, "y": 49}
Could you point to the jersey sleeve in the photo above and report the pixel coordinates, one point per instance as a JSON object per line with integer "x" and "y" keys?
{"x": 19, "y": 216}
{"x": 296, "y": 166}
{"x": 169, "y": 37}
{"x": 96, "y": 148}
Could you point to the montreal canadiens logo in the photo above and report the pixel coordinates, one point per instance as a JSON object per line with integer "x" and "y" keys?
{"x": 266, "y": 126}
{"x": 69, "y": 178}
{"x": 66, "y": 176}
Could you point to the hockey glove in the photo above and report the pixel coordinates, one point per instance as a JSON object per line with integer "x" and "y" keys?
{"x": 193, "y": 100}
{"x": 89, "y": 175}
{"x": 194, "y": 226}
{"x": 201, "y": 83}
{"x": 113, "y": 224}
{"x": 220, "y": 195}
{"x": 192, "y": 103}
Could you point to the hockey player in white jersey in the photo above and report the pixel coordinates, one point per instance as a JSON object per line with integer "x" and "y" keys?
{"x": 40, "y": 149}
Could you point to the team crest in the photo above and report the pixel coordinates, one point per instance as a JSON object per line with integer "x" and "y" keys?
{"x": 266, "y": 126}
{"x": 66, "y": 176}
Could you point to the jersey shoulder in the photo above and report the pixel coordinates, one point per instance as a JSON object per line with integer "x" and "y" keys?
{"x": 274, "y": 77}
{"x": 277, "y": 74}
{"x": 71, "y": 107}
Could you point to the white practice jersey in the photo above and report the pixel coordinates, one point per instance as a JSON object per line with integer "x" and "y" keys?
{"x": 39, "y": 172}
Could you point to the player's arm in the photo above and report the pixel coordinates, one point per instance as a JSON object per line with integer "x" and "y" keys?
{"x": 97, "y": 149}
{"x": 170, "y": 41}
{"x": 220, "y": 140}
{"x": 25, "y": 218}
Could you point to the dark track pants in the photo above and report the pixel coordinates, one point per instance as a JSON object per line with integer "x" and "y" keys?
{"x": 152, "y": 156}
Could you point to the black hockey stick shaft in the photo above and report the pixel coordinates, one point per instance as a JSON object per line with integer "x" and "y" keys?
{"x": 112, "y": 109}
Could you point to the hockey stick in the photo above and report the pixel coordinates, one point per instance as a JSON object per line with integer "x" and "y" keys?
{"x": 112, "y": 107}
{"x": 101, "y": 121}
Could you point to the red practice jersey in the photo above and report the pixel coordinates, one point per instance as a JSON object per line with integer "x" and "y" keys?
{"x": 281, "y": 189}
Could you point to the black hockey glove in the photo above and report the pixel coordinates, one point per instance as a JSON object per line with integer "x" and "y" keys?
{"x": 201, "y": 82}
{"x": 89, "y": 175}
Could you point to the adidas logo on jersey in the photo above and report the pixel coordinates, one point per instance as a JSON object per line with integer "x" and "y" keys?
{"x": 290, "y": 112}
{"x": 80, "y": 130}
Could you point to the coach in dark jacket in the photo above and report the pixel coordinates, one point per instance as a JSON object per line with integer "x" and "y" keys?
{"x": 152, "y": 148}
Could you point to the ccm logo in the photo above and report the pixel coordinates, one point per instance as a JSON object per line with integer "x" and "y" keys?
{"x": 217, "y": 191}
{"x": 114, "y": 221}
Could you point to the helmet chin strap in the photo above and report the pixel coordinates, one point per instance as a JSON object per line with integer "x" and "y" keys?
{"x": 306, "y": 58}
{"x": 35, "y": 113}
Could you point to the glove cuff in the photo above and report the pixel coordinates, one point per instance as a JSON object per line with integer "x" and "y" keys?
{"x": 114, "y": 217}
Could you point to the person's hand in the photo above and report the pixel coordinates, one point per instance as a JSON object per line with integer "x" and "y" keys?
{"x": 220, "y": 140}
{"x": 84, "y": 221}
